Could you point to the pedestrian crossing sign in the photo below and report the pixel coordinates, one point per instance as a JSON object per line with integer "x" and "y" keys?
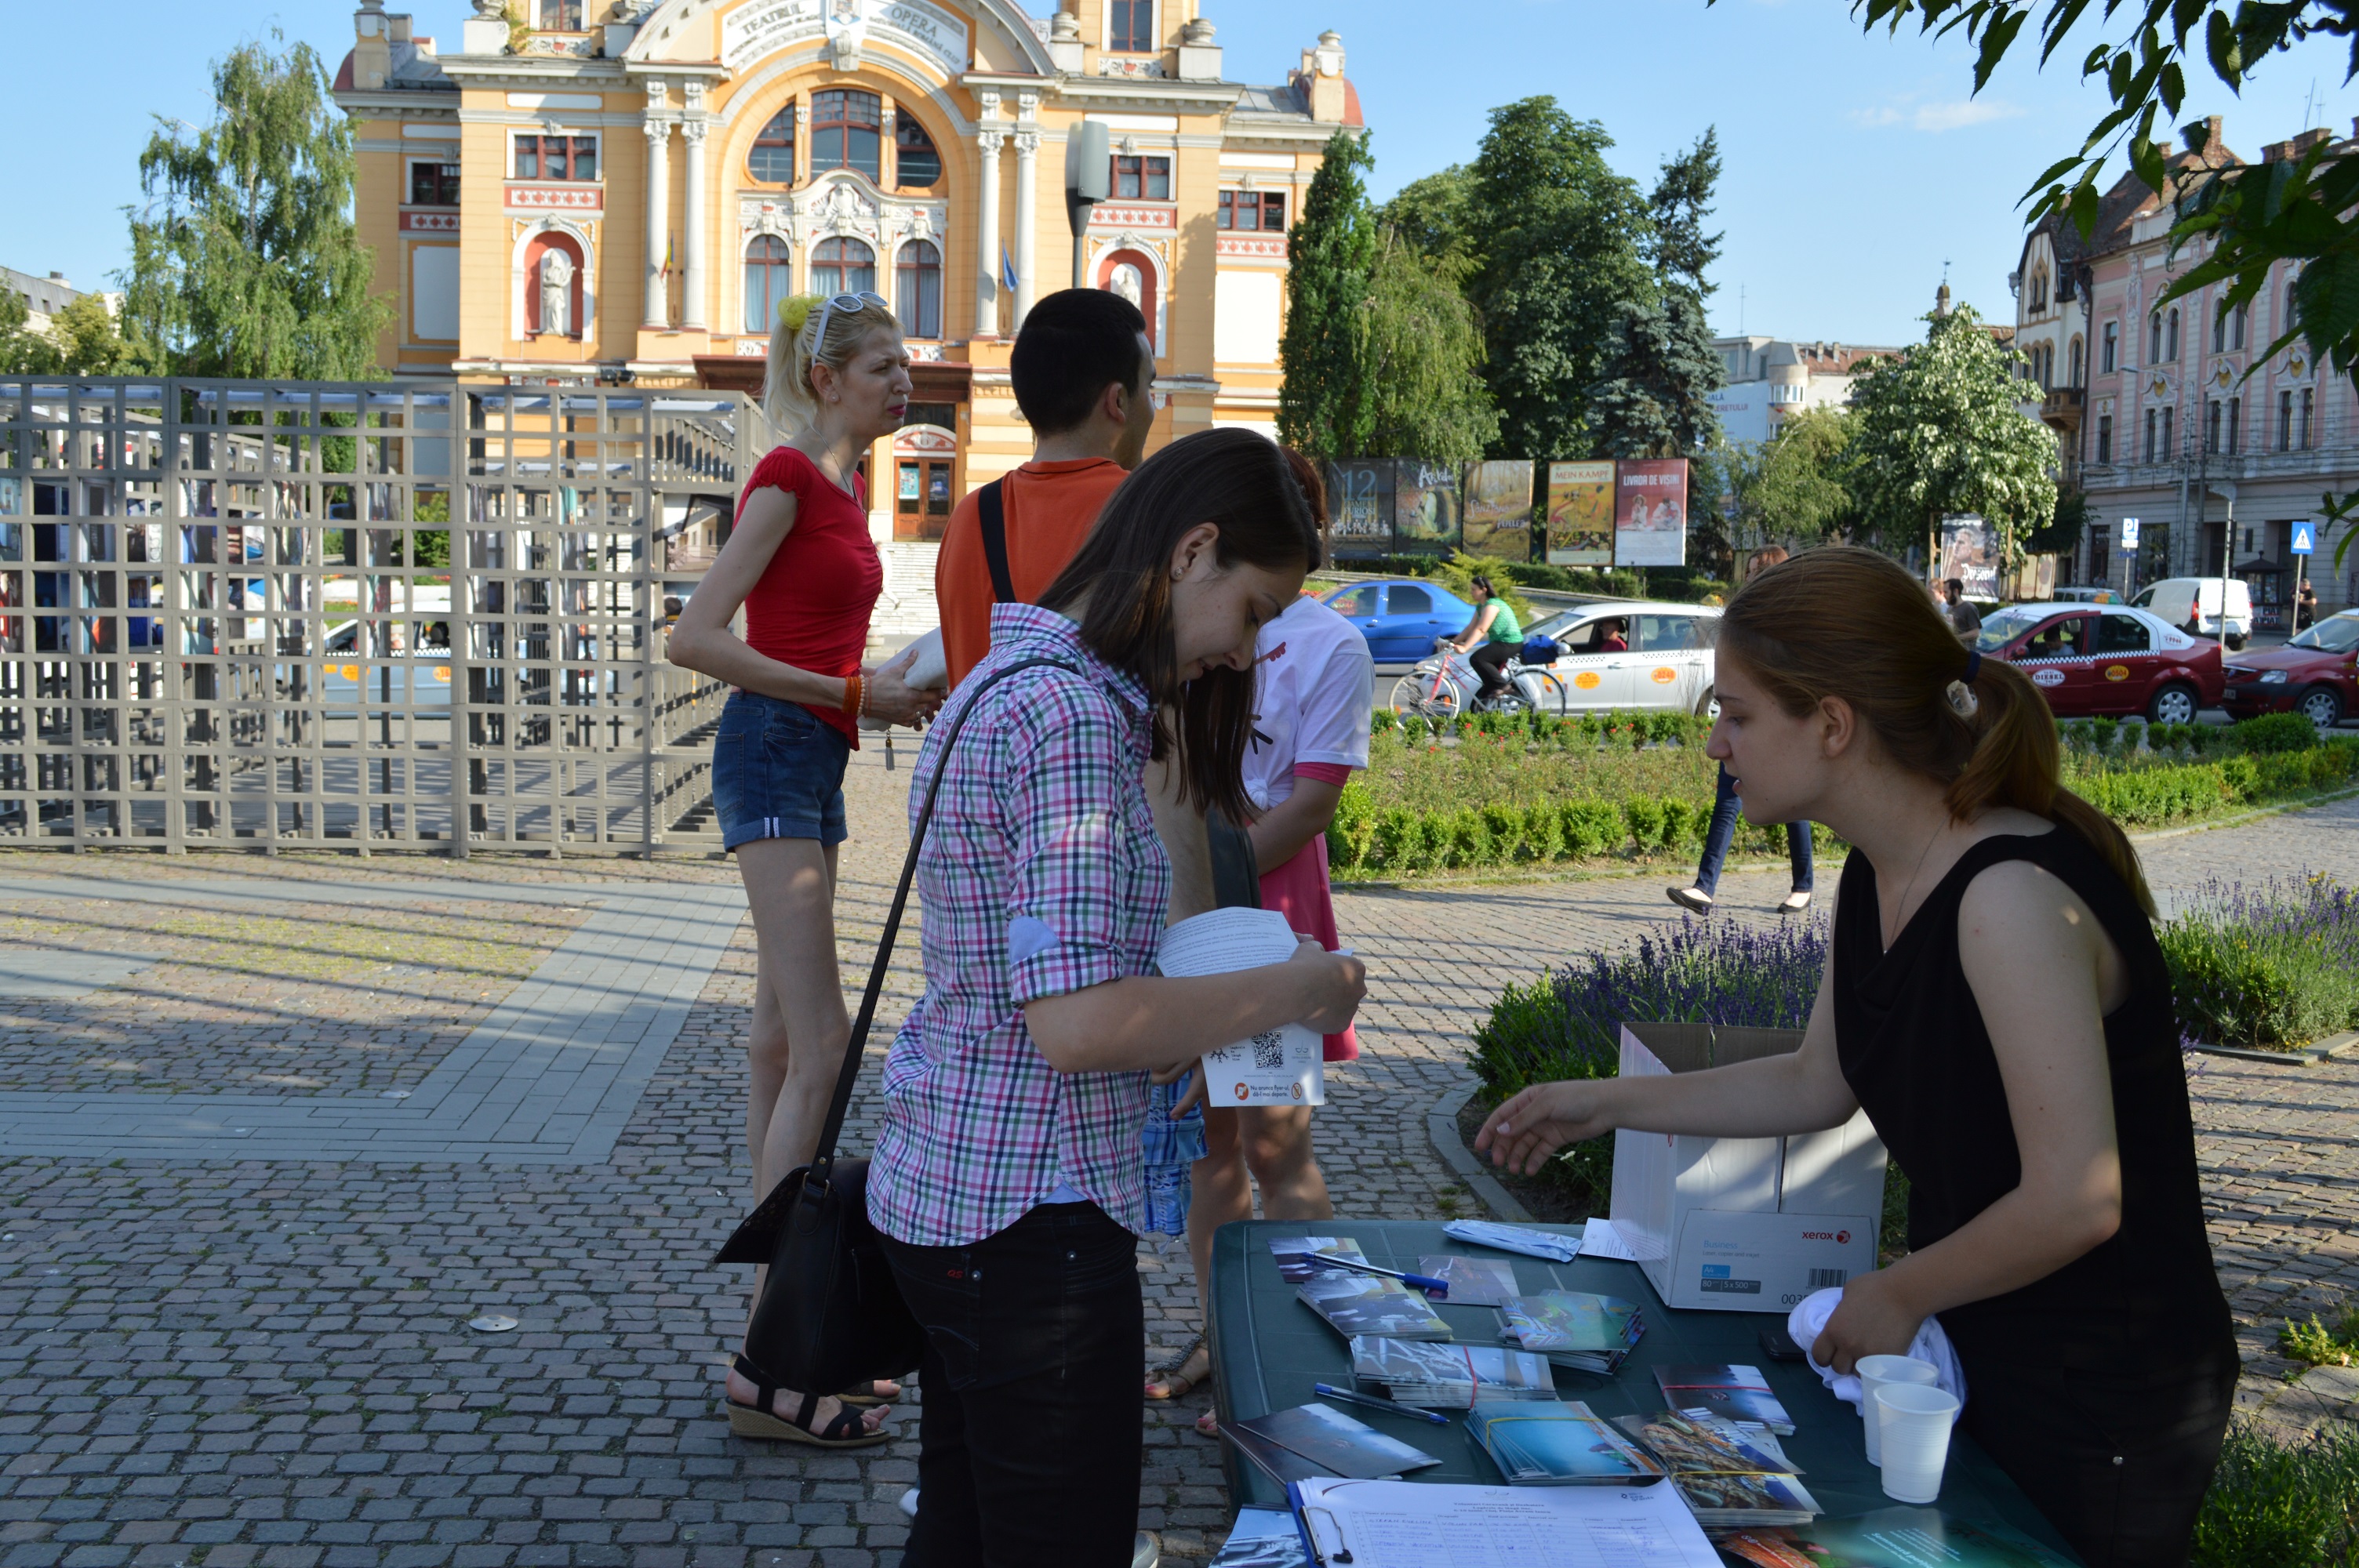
{"x": 2304, "y": 539}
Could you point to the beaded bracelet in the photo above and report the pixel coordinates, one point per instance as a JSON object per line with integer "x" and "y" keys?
{"x": 855, "y": 696}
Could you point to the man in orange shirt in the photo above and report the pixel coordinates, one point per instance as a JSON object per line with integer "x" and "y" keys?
{"x": 1083, "y": 372}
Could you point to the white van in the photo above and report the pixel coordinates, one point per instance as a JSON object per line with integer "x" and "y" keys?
{"x": 2174, "y": 599}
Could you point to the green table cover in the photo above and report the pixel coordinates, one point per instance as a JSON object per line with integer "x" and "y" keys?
{"x": 1269, "y": 1349}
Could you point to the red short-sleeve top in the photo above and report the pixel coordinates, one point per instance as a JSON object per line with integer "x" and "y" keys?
{"x": 812, "y": 607}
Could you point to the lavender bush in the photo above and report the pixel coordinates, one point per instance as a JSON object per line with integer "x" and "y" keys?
{"x": 2269, "y": 968}
{"x": 1568, "y": 1023}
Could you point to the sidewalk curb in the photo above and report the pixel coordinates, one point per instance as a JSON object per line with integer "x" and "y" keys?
{"x": 1442, "y": 1130}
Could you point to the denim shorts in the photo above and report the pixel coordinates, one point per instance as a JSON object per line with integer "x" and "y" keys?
{"x": 777, "y": 773}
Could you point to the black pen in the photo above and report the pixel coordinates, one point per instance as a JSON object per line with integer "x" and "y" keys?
{"x": 1391, "y": 1407}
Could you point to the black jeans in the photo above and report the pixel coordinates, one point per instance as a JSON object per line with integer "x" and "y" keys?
{"x": 1029, "y": 1438}
{"x": 1487, "y": 661}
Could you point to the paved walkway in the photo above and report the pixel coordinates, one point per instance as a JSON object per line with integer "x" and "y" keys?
{"x": 261, "y": 1351}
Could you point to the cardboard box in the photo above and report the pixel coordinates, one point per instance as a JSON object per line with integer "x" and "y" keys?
{"x": 1742, "y": 1224}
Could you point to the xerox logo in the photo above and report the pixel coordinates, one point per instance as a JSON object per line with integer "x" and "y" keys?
{"x": 1842, "y": 1237}
{"x": 1826, "y": 1235}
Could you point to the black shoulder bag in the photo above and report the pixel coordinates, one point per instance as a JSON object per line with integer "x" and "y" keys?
{"x": 831, "y": 1315}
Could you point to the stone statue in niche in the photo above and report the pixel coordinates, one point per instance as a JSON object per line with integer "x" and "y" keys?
{"x": 556, "y": 293}
{"x": 1125, "y": 281}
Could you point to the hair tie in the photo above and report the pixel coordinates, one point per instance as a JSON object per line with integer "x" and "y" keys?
{"x": 1973, "y": 665}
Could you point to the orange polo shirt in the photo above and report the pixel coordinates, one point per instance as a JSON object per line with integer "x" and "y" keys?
{"x": 1049, "y": 508}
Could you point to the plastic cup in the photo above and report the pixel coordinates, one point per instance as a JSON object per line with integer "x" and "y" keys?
{"x": 1916, "y": 1422}
{"x": 1874, "y": 1373}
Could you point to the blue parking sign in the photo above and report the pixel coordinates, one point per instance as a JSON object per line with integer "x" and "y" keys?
{"x": 2304, "y": 538}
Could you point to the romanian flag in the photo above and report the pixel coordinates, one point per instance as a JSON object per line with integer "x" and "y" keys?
{"x": 670, "y": 242}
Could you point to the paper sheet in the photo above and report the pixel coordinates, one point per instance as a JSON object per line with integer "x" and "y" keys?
{"x": 1405, "y": 1524}
{"x": 1599, "y": 1239}
{"x": 1281, "y": 1066}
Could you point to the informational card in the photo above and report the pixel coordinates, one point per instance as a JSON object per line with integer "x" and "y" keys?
{"x": 1411, "y": 1524}
{"x": 1279, "y": 1067}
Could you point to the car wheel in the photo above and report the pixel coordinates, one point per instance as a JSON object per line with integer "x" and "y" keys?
{"x": 2321, "y": 705}
{"x": 2174, "y": 704}
{"x": 1708, "y": 705}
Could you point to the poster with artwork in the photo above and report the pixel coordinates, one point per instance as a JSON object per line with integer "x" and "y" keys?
{"x": 1650, "y": 512}
{"x": 1425, "y": 508}
{"x": 1498, "y": 510}
{"x": 1969, "y": 552}
{"x": 1581, "y": 515}
{"x": 1360, "y": 508}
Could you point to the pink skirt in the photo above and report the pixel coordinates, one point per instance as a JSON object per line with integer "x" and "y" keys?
{"x": 1298, "y": 891}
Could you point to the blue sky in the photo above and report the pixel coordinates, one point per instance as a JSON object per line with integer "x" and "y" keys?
{"x": 1854, "y": 165}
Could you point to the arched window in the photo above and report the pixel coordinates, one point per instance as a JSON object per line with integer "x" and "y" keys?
{"x": 2170, "y": 335}
{"x": 842, "y": 267}
{"x": 767, "y": 281}
{"x": 916, "y": 164}
{"x": 2108, "y": 356}
{"x": 2154, "y": 339}
{"x": 918, "y": 289}
{"x": 2238, "y": 319}
{"x": 772, "y": 161}
{"x": 2075, "y": 378}
{"x": 846, "y": 128}
{"x": 2219, "y": 329}
{"x": 2039, "y": 290}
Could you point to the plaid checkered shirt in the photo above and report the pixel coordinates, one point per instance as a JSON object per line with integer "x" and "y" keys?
{"x": 1041, "y": 874}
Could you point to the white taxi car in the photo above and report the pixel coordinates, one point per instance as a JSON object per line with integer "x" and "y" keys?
{"x": 1633, "y": 654}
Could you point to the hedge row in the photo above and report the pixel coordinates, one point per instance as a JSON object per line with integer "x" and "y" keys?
{"x": 1364, "y": 840}
{"x": 1633, "y": 727}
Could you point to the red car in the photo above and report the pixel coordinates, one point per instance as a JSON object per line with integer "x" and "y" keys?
{"x": 2313, "y": 674}
{"x": 2090, "y": 659}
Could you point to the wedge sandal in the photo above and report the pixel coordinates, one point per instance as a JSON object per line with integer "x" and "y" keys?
{"x": 758, "y": 1420}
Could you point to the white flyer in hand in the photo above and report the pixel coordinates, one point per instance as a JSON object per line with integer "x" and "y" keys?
{"x": 1282, "y": 1066}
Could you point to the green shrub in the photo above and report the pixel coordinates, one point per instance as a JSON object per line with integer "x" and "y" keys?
{"x": 2101, "y": 733}
{"x": 1591, "y": 828}
{"x": 2267, "y": 969}
{"x": 2274, "y": 732}
{"x": 1643, "y": 815}
{"x": 1542, "y": 838}
{"x": 2317, "y": 1344}
{"x": 2281, "y": 1505}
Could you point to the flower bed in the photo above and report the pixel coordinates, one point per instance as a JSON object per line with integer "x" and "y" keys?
{"x": 1493, "y": 790}
{"x": 2269, "y": 969}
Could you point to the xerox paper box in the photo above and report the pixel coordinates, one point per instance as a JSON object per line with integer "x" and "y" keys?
{"x": 1675, "y": 1193}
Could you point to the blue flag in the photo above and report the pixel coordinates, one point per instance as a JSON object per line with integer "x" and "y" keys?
{"x": 1007, "y": 269}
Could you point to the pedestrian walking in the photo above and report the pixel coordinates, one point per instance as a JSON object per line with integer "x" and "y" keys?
{"x": 1310, "y": 722}
{"x": 2305, "y": 607}
{"x": 1964, "y": 619}
{"x": 1006, "y": 1183}
{"x": 802, "y": 563}
{"x": 1721, "y": 833}
{"x": 1996, "y": 999}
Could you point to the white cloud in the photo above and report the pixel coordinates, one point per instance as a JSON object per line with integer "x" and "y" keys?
{"x": 1934, "y": 117}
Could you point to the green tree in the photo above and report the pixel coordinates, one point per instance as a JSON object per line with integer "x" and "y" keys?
{"x": 1936, "y": 429}
{"x": 1423, "y": 363}
{"x": 1558, "y": 236}
{"x": 245, "y": 261}
{"x": 2305, "y": 210}
{"x": 1652, "y": 395}
{"x": 1324, "y": 402}
{"x": 1680, "y": 206}
{"x": 1434, "y": 215}
{"x": 22, "y": 349}
{"x": 81, "y": 341}
{"x": 1796, "y": 486}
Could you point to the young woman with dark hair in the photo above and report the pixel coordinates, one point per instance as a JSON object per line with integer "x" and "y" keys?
{"x": 1996, "y": 1001}
{"x": 1007, "y": 1182}
{"x": 1499, "y": 635}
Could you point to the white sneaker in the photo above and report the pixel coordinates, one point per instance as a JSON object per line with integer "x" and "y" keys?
{"x": 909, "y": 1502}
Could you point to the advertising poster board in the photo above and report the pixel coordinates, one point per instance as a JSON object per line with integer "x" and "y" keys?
{"x": 1425, "y": 508}
{"x": 1650, "y": 512}
{"x": 1969, "y": 552}
{"x": 1581, "y": 515}
{"x": 1498, "y": 509}
{"x": 1360, "y": 509}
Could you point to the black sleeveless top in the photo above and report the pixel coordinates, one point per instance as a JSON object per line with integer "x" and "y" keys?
{"x": 1915, "y": 1052}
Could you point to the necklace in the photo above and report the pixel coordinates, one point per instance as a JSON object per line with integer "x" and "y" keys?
{"x": 1900, "y": 910}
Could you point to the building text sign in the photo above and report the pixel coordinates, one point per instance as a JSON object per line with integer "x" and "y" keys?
{"x": 765, "y": 26}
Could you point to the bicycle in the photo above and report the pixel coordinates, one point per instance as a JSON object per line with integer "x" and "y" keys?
{"x": 1445, "y": 685}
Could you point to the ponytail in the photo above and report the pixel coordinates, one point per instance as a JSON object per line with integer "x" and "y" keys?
{"x": 1942, "y": 710}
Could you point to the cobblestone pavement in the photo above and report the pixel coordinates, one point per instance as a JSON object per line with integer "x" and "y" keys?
{"x": 269, "y": 1362}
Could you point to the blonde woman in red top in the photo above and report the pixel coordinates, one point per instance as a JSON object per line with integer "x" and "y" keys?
{"x": 802, "y": 564}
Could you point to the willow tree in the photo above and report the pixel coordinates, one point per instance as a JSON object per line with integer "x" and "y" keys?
{"x": 1422, "y": 357}
{"x": 1936, "y": 429}
{"x": 244, "y": 259}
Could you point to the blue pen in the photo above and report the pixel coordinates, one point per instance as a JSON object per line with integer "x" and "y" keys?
{"x": 1425, "y": 1283}
{"x": 1393, "y": 1406}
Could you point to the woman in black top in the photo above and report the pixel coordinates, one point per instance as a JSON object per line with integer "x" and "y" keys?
{"x": 1997, "y": 1001}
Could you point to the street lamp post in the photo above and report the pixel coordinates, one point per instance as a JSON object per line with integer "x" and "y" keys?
{"x": 1089, "y": 168}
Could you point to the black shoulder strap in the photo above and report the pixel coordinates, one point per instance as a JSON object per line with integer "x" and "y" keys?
{"x": 823, "y": 1161}
{"x": 991, "y": 502}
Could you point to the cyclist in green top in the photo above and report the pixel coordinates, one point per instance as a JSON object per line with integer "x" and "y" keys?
{"x": 1502, "y": 635}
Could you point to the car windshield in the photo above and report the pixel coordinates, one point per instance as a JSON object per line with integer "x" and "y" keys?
{"x": 2336, "y": 634}
{"x": 1555, "y": 625}
{"x": 2001, "y": 627}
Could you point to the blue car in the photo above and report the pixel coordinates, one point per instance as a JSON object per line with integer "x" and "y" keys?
{"x": 1400, "y": 617}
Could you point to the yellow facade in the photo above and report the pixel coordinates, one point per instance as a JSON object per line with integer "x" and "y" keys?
{"x": 512, "y": 258}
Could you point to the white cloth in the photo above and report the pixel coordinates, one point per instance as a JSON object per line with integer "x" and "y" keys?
{"x": 1311, "y": 671}
{"x": 1808, "y": 1320}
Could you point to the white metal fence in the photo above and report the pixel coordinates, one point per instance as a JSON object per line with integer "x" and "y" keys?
{"x": 346, "y": 615}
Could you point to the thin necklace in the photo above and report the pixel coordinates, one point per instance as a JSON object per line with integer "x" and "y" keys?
{"x": 1900, "y": 910}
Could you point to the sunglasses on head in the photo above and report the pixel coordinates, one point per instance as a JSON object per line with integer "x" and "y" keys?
{"x": 846, "y": 302}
